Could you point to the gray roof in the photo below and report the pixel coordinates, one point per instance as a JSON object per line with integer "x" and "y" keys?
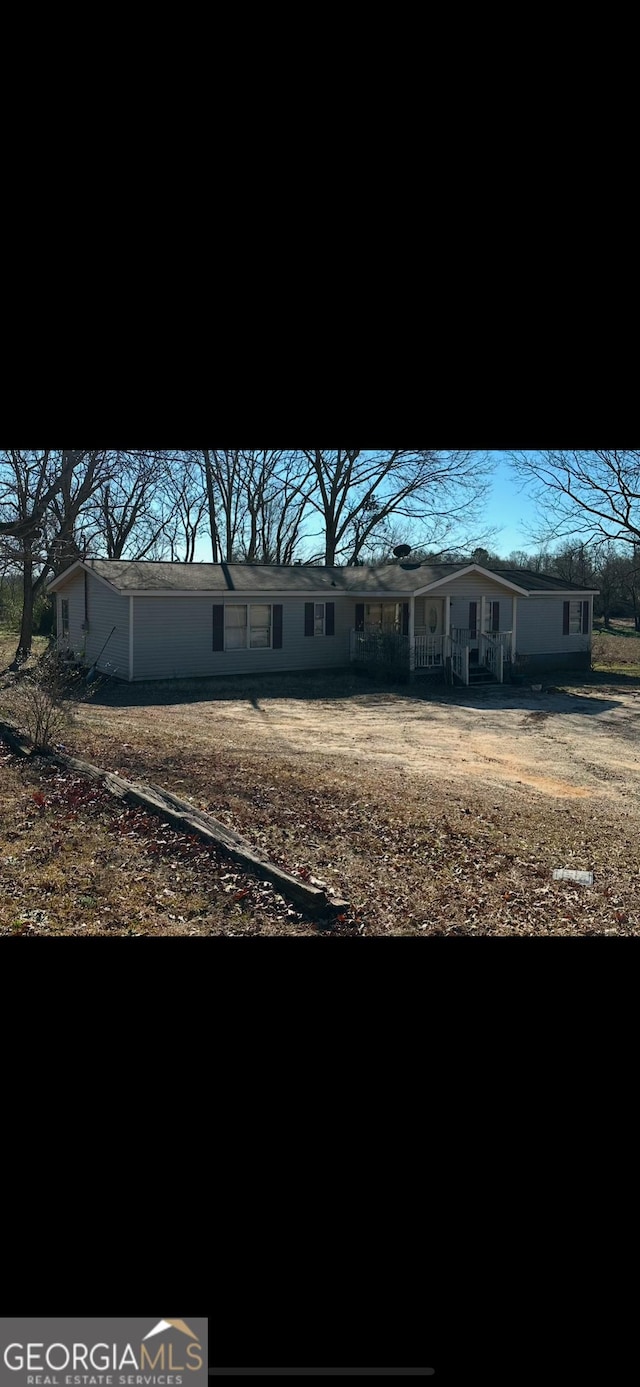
{"x": 131, "y": 576}
{"x": 128, "y": 575}
{"x": 539, "y": 582}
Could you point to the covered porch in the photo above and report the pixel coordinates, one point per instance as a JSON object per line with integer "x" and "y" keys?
{"x": 425, "y": 634}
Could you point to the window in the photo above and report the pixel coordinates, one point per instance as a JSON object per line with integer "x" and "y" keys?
{"x": 248, "y": 626}
{"x": 260, "y": 628}
{"x": 492, "y": 616}
{"x": 64, "y": 616}
{"x": 383, "y": 616}
{"x": 235, "y": 628}
{"x": 575, "y": 618}
{"x": 318, "y": 619}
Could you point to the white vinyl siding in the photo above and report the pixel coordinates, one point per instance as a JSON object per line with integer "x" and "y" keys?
{"x": 540, "y": 628}
{"x": 73, "y": 594}
{"x": 105, "y": 609}
{"x": 172, "y": 640}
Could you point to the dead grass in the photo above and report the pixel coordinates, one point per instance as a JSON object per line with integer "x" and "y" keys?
{"x": 8, "y": 643}
{"x": 617, "y": 650}
{"x": 413, "y": 855}
{"x": 73, "y": 862}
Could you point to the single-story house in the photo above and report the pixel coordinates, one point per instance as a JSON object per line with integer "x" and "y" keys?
{"x": 175, "y": 620}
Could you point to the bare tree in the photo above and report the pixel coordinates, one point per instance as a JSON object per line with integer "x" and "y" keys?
{"x": 594, "y": 493}
{"x": 256, "y": 500}
{"x": 187, "y": 504}
{"x": 132, "y": 507}
{"x": 41, "y": 494}
{"x": 356, "y": 491}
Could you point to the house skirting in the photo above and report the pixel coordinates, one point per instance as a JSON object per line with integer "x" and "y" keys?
{"x": 537, "y": 664}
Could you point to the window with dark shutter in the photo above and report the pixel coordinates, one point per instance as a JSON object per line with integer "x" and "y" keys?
{"x": 308, "y": 618}
{"x": 329, "y": 618}
{"x": 405, "y": 618}
{"x": 495, "y": 616}
{"x": 359, "y": 616}
{"x": 565, "y": 618}
{"x": 473, "y": 619}
{"x": 277, "y": 626}
{"x": 585, "y": 618}
{"x": 218, "y": 627}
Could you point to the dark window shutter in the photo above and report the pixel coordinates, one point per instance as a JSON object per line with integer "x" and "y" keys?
{"x": 495, "y": 617}
{"x": 405, "y": 618}
{"x": 359, "y": 616}
{"x": 473, "y": 617}
{"x": 329, "y": 618}
{"x": 308, "y": 618}
{"x": 277, "y": 626}
{"x": 585, "y": 618}
{"x": 218, "y": 627}
{"x": 565, "y": 618}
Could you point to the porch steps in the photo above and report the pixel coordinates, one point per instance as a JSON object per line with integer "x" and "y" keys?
{"x": 479, "y": 674}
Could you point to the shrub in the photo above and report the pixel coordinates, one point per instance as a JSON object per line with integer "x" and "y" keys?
{"x": 44, "y": 699}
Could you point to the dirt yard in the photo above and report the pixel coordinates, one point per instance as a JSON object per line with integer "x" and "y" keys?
{"x": 441, "y": 812}
{"x": 580, "y": 744}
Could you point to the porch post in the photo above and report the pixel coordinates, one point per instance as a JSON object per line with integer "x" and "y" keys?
{"x": 483, "y": 613}
{"x": 447, "y": 616}
{"x": 412, "y": 636}
{"x": 514, "y": 614}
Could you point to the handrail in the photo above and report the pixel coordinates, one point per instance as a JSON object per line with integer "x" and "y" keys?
{"x": 459, "y": 660}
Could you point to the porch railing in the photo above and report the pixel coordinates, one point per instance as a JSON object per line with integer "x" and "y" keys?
{"x": 503, "y": 638}
{"x": 459, "y": 655}
{"x": 429, "y": 651}
{"x": 388, "y": 647}
{"x": 491, "y": 654}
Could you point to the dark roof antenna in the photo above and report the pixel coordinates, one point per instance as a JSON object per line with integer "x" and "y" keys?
{"x": 402, "y": 551}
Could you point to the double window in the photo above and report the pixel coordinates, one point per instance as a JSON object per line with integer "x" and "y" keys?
{"x": 247, "y": 626}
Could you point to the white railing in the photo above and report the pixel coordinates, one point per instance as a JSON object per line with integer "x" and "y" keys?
{"x": 429, "y": 652}
{"x": 459, "y": 656}
{"x": 463, "y": 635}
{"x": 502, "y": 638}
{"x": 491, "y": 654}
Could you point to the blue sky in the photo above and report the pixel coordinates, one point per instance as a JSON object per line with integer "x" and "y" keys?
{"x": 510, "y": 508}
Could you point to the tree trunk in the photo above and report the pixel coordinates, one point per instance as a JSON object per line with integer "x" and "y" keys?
{"x": 26, "y": 626}
{"x": 212, "y": 504}
{"x": 330, "y": 546}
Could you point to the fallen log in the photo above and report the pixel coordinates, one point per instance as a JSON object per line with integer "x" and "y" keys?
{"x": 186, "y": 818}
